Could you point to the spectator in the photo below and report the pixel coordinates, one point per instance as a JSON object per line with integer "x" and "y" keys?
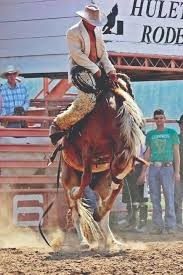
{"x": 179, "y": 187}
{"x": 162, "y": 151}
{"x": 135, "y": 196}
{"x": 14, "y": 96}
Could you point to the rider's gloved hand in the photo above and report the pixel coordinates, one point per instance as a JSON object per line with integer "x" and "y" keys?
{"x": 113, "y": 76}
{"x": 113, "y": 79}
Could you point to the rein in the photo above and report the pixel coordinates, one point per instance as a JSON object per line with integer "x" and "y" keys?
{"x": 60, "y": 147}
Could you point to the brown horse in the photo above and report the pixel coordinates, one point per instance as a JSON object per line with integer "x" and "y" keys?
{"x": 101, "y": 151}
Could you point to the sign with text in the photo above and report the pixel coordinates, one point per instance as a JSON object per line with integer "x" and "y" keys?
{"x": 144, "y": 26}
{"x": 26, "y": 209}
{"x": 37, "y": 30}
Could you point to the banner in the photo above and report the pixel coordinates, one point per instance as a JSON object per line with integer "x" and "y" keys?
{"x": 144, "y": 26}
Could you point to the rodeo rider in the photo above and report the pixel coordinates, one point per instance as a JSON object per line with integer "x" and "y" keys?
{"x": 86, "y": 49}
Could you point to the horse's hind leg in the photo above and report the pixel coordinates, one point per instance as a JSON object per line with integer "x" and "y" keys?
{"x": 70, "y": 179}
{"x": 110, "y": 240}
{"x": 76, "y": 220}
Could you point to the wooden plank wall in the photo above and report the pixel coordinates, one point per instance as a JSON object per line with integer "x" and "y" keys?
{"x": 33, "y": 33}
{"x": 27, "y": 184}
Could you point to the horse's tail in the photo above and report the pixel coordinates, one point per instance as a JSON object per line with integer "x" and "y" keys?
{"x": 90, "y": 227}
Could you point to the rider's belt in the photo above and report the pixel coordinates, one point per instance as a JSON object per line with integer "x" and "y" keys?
{"x": 161, "y": 163}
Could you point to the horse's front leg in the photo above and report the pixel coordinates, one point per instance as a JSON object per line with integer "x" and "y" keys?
{"x": 77, "y": 192}
{"x": 105, "y": 189}
{"x": 107, "y": 204}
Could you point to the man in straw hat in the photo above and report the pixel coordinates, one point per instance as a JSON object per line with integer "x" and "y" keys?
{"x": 14, "y": 96}
{"x": 86, "y": 49}
{"x": 179, "y": 186}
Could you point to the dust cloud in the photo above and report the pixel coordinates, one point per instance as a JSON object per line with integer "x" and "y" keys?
{"x": 13, "y": 236}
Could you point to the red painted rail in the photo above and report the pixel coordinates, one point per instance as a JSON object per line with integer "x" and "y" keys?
{"x": 26, "y": 163}
{"x": 30, "y": 148}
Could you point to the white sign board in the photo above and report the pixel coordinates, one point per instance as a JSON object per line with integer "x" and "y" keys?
{"x": 144, "y": 26}
{"x": 33, "y": 33}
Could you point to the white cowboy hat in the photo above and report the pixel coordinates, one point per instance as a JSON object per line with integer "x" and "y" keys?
{"x": 10, "y": 69}
{"x": 93, "y": 15}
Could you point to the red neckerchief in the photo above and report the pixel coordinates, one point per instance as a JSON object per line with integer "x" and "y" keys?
{"x": 93, "y": 51}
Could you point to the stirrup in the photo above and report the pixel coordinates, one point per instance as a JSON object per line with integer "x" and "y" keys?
{"x": 55, "y": 137}
{"x": 55, "y": 133}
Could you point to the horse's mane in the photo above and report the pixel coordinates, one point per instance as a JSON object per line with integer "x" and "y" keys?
{"x": 130, "y": 117}
{"x": 131, "y": 123}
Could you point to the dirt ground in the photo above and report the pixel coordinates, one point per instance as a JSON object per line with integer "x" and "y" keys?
{"x": 24, "y": 252}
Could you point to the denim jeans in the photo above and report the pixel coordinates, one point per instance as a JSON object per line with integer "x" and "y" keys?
{"x": 90, "y": 198}
{"x": 14, "y": 124}
{"x": 162, "y": 176}
{"x": 178, "y": 201}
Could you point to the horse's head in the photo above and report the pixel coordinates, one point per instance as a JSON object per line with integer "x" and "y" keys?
{"x": 125, "y": 84}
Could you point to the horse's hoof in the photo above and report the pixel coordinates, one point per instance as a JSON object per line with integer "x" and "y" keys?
{"x": 84, "y": 246}
{"x": 114, "y": 245}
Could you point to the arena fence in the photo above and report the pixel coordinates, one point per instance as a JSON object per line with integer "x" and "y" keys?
{"x": 27, "y": 185}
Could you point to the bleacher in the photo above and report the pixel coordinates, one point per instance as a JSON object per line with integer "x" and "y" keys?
{"x": 27, "y": 184}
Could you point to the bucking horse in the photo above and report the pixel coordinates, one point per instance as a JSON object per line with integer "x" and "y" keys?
{"x": 101, "y": 150}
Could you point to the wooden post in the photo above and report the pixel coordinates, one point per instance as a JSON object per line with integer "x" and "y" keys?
{"x": 46, "y": 92}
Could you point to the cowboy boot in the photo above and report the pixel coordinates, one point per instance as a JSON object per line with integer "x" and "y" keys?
{"x": 55, "y": 133}
{"x": 132, "y": 216}
{"x": 143, "y": 213}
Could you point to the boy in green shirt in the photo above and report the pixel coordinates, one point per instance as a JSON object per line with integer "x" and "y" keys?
{"x": 163, "y": 154}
